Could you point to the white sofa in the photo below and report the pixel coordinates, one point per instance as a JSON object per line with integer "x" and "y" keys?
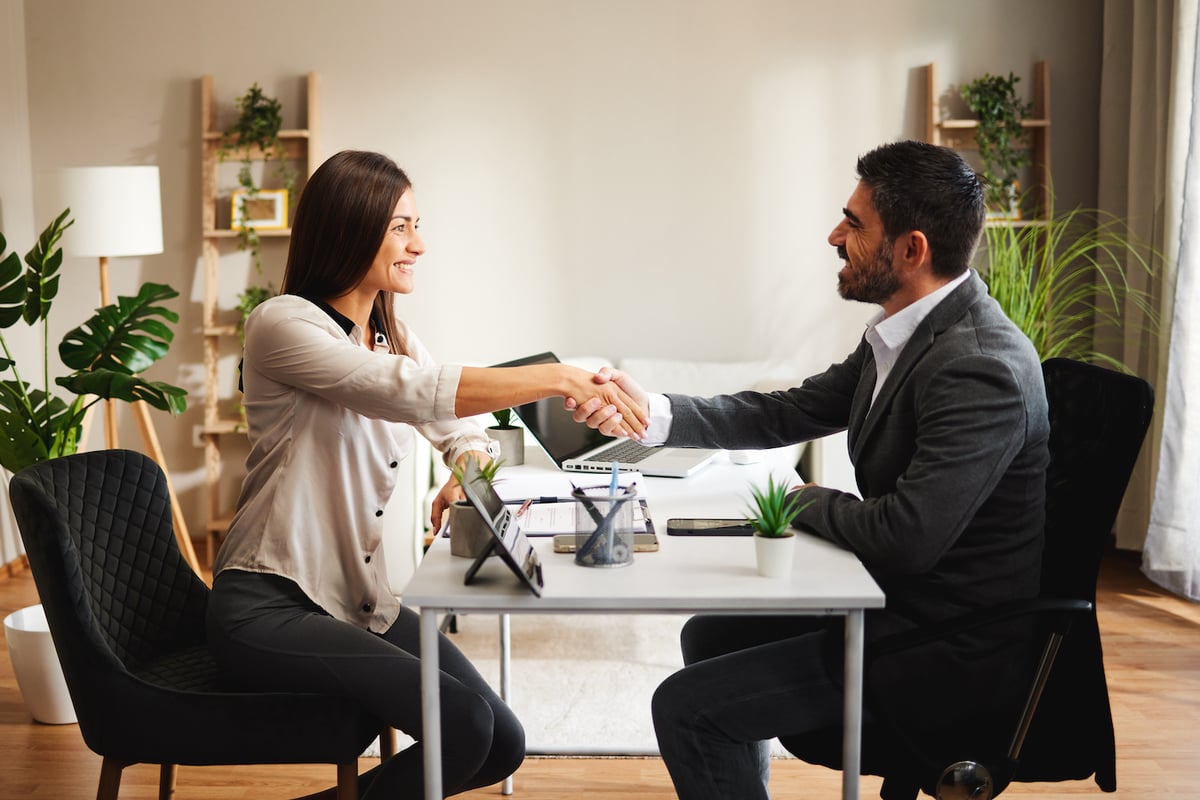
{"x": 407, "y": 515}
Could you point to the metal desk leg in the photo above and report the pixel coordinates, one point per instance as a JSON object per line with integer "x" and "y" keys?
{"x": 505, "y": 678}
{"x": 852, "y": 711}
{"x": 431, "y": 706}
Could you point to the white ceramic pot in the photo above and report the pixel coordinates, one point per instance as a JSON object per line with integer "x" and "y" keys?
{"x": 469, "y": 534}
{"x": 774, "y": 556}
{"x": 512, "y": 444}
{"x": 35, "y": 663}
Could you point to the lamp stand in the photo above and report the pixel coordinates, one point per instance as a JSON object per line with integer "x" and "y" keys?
{"x": 150, "y": 440}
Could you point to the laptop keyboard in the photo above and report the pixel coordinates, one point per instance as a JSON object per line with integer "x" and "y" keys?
{"x": 626, "y": 451}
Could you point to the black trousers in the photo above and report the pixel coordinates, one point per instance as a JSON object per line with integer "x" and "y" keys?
{"x": 266, "y": 634}
{"x": 746, "y": 679}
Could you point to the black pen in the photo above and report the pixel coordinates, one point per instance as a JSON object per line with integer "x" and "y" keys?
{"x": 542, "y": 499}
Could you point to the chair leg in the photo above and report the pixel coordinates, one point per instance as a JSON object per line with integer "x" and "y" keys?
{"x": 387, "y": 743}
{"x": 110, "y": 779}
{"x": 347, "y": 780}
{"x": 166, "y": 780}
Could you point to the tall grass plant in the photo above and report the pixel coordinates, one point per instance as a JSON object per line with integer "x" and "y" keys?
{"x": 1067, "y": 279}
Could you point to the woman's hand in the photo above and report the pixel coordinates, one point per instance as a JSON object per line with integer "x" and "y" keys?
{"x": 611, "y": 402}
{"x": 452, "y": 492}
{"x": 607, "y": 417}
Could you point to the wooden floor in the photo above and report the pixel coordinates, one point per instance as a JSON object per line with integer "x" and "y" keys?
{"x": 1152, "y": 650}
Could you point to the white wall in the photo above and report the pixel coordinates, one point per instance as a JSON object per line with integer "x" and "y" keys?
{"x": 683, "y": 157}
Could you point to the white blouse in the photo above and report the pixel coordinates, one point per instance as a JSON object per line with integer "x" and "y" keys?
{"x": 329, "y": 422}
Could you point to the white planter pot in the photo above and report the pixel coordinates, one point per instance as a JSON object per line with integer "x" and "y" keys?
{"x": 35, "y": 663}
{"x": 512, "y": 444}
{"x": 774, "y": 556}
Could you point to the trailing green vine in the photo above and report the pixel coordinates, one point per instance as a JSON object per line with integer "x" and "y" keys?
{"x": 1000, "y": 136}
{"x": 255, "y": 133}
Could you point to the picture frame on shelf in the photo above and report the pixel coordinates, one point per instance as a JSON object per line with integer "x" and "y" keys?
{"x": 265, "y": 209}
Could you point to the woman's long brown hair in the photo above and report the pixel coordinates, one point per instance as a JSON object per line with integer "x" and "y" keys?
{"x": 340, "y": 223}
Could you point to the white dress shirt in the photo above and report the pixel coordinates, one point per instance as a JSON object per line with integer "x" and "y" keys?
{"x": 330, "y": 420}
{"x": 888, "y": 335}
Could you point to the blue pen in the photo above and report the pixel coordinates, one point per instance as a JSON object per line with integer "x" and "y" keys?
{"x": 612, "y": 487}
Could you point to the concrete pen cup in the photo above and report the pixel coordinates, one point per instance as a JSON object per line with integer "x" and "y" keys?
{"x": 604, "y": 527}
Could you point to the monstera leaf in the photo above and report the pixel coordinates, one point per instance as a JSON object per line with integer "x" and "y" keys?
{"x": 124, "y": 337}
{"x": 35, "y": 426}
{"x": 106, "y": 353}
{"x": 28, "y": 294}
{"x": 114, "y": 385}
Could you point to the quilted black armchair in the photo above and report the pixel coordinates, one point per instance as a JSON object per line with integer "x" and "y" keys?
{"x": 1098, "y": 419}
{"x": 126, "y": 614}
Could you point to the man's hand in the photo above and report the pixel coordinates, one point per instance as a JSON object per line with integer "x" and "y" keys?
{"x": 607, "y": 417}
{"x": 607, "y": 396}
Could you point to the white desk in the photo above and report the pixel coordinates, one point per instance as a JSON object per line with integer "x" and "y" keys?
{"x": 688, "y": 575}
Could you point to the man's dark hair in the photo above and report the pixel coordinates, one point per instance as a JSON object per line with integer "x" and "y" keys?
{"x": 917, "y": 186}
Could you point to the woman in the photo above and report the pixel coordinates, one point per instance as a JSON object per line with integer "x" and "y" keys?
{"x": 333, "y": 385}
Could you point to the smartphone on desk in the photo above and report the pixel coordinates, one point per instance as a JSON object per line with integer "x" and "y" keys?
{"x": 642, "y": 542}
{"x": 707, "y": 526}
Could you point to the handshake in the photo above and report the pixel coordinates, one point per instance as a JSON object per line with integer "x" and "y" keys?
{"x": 612, "y": 403}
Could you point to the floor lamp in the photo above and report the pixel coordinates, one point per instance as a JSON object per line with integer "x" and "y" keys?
{"x": 117, "y": 213}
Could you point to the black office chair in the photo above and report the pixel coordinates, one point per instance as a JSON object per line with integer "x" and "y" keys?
{"x": 126, "y": 614}
{"x": 1098, "y": 420}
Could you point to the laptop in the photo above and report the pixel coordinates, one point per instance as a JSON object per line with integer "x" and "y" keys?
{"x": 507, "y": 538}
{"x": 575, "y": 447}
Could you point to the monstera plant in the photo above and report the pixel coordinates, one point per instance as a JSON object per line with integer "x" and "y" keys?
{"x": 106, "y": 355}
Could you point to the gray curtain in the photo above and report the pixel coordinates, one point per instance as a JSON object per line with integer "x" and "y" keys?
{"x": 1171, "y": 556}
{"x": 1134, "y": 182}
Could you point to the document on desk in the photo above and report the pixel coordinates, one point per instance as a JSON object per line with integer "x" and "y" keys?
{"x": 547, "y": 519}
{"x": 552, "y": 509}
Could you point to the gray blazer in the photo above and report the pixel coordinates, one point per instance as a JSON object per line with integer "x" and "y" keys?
{"x": 950, "y": 460}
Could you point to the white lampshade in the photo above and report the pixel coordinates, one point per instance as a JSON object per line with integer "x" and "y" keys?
{"x": 117, "y": 210}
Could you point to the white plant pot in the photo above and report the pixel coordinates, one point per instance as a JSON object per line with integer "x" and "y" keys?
{"x": 35, "y": 664}
{"x": 774, "y": 556}
{"x": 512, "y": 444}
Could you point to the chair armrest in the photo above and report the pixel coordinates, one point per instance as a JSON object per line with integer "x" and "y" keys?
{"x": 1057, "y": 613}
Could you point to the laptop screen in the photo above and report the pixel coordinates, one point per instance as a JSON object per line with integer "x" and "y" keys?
{"x": 553, "y": 426}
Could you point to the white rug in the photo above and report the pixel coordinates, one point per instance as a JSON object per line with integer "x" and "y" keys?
{"x": 581, "y": 684}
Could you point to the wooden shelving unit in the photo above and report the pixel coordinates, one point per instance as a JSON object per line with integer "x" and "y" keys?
{"x": 221, "y": 337}
{"x": 960, "y": 135}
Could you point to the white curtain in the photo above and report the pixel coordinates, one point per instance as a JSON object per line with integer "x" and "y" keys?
{"x": 1171, "y": 556}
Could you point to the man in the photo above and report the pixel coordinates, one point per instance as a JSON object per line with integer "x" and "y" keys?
{"x": 946, "y": 412}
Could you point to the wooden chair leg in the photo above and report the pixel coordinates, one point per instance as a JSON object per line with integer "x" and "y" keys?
{"x": 347, "y": 780}
{"x": 110, "y": 779}
{"x": 387, "y": 743}
{"x": 166, "y": 780}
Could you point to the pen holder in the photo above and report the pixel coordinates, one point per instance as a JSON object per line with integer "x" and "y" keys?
{"x": 603, "y": 528}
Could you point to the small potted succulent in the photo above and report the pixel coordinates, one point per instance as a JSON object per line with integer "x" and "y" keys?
{"x": 510, "y": 437}
{"x": 771, "y": 515}
{"x": 469, "y": 534}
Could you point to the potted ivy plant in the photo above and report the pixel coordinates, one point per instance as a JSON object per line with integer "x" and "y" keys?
{"x": 770, "y": 515}
{"x": 469, "y": 534}
{"x": 1001, "y": 139}
{"x": 106, "y": 355}
{"x": 510, "y": 437}
{"x": 1064, "y": 279}
{"x": 254, "y": 133}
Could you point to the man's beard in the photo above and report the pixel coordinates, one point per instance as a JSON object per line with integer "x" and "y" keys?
{"x": 873, "y": 281}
